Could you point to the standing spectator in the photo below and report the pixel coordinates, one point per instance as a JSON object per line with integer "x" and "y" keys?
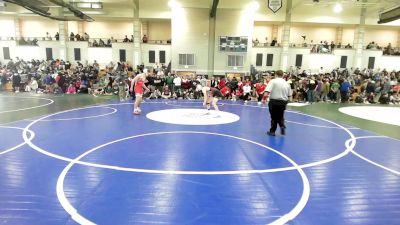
{"x": 203, "y": 81}
{"x": 57, "y": 36}
{"x": 325, "y": 90}
{"x": 344, "y": 91}
{"x": 222, "y": 83}
{"x": 177, "y": 84}
{"x": 312, "y": 86}
{"x": 214, "y": 82}
{"x": 16, "y": 82}
{"x": 169, "y": 81}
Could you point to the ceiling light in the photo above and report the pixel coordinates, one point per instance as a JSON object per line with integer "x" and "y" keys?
{"x": 337, "y": 8}
{"x": 254, "y": 6}
{"x": 173, "y": 4}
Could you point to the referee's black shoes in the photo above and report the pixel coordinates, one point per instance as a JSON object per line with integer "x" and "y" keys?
{"x": 283, "y": 130}
{"x": 270, "y": 133}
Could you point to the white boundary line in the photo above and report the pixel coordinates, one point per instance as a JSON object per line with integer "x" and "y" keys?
{"x": 319, "y": 126}
{"x": 370, "y": 161}
{"x": 349, "y": 144}
{"x": 200, "y": 106}
{"x": 282, "y": 220}
{"x": 37, "y": 148}
{"x": 263, "y": 107}
{"x": 114, "y": 110}
{"x": 16, "y": 110}
{"x": 31, "y": 133}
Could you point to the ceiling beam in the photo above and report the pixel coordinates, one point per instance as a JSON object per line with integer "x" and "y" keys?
{"x": 389, "y": 16}
{"x": 214, "y": 7}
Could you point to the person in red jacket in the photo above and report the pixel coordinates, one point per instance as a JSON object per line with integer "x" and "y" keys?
{"x": 260, "y": 90}
{"x": 222, "y": 83}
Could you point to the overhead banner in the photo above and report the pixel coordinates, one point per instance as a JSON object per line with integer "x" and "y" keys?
{"x": 274, "y": 5}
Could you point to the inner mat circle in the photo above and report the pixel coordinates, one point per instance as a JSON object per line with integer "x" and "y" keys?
{"x": 193, "y": 117}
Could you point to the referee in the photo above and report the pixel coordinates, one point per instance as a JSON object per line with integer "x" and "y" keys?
{"x": 279, "y": 92}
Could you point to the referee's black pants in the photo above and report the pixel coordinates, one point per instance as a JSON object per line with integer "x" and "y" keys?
{"x": 277, "y": 109}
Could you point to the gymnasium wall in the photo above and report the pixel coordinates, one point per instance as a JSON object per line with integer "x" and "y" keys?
{"x": 233, "y": 22}
{"x": 106, "y": 29}
{"x": 159, "y": 30}
{"x": 348, "y": 36}
{"x": 156, "y": 48}
{"x": 381, "y": 36}
{"x": 7, "y": 27}
{"x": 190, "y": 29}
{"x": 315, "y": 33}
{"x": 37, "y": 27}
{"x": 264, "y": 29}
{"x": 147, "y": 10}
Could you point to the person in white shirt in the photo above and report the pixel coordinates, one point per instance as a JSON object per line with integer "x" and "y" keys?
{"x": 279, "y": 92}
{"x": 177, "y": 83}
{"x": 246, "y": 92}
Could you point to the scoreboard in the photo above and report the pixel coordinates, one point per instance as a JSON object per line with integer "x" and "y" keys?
{"x": 233, "y": 43}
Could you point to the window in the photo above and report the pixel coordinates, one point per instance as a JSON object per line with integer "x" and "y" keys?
{"x": 49, "y": 54}
{"x": 162, "y": 56}
{"x": 235, "y": 60}
{"x": 343, "y": 61}
{"x": 299, "y": 60}
{"x": 259, "y": 59}
{"x": 371, "y": 62}
{"x": 6, "y": 53}
{"x": 270, "y": 59}
{"x": 77, "y": 54}
{"x": 186, "y": 59}
{"x": 152, "y": 56}
{"x": 122, "y": 55}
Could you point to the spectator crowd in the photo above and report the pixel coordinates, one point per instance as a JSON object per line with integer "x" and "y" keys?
{"x": 60, "y": 77}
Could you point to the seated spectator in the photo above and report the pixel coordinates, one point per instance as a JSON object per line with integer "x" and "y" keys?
{"x": 348, "y": 46}
{"x": 256, "y": 42}
{"x": 101, "y": 43}
{"x": 126, "y": 39}
{"x": 72, "y": 36}
{"x": 274, "y": 42}
{"x": 246, "y": 91}
{"x": 166, "y": 94}
{"x": 71, "y": 89}
{"x": 48, "y": 36}
{"x": 78, "y": 37}
{"x": 57, "y": 36}
{"x": 86, "y": 37}
{"x": 32, "y": 86}
{"x": 332, "y": 46}
{"x": 144, "y": 39}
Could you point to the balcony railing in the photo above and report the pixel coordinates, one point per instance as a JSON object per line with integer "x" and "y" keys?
{"x": 93, "y": 42}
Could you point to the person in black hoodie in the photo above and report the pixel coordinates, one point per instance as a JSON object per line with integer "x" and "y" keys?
{"x": 16, "y": 82}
